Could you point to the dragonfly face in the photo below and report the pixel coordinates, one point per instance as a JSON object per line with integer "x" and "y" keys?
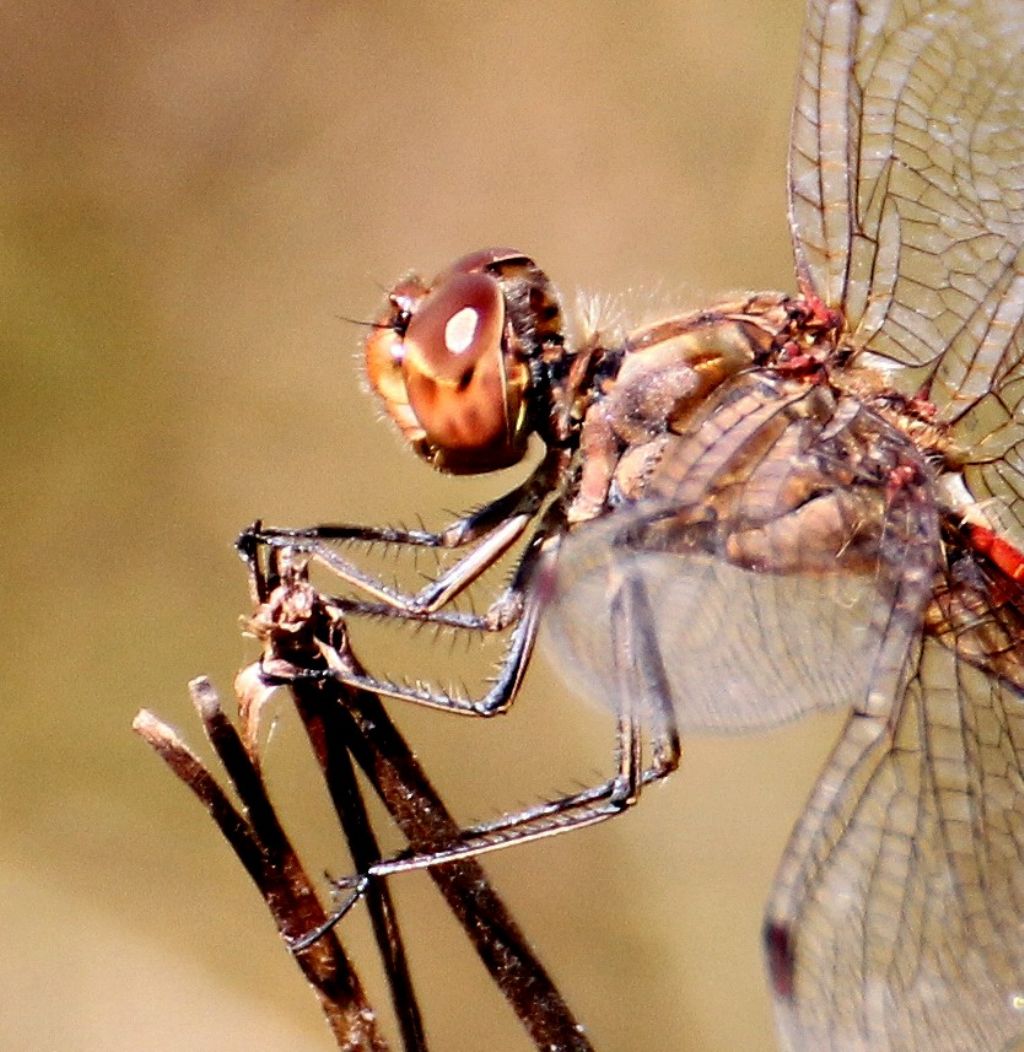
{"x": 784, "y": 504}
{"x": 457, "y": 363}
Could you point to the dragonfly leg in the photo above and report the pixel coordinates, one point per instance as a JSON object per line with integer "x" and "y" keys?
{"x": 444, "y": 588}
{"x": 496, "y": 699}
{"x": 517, "y": 608}
{"x": 494, "y": 529}
{"x": 645, "y": 690}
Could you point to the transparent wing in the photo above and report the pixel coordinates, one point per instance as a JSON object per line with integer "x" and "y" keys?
{"x": 742, "y": 650}
{"x": 907, "y": 189}
{"x": 897, "y": 918}
{"x": 898, "y": 914}
{"x": 789, "y": 550}
{"x": 786, "y": 572}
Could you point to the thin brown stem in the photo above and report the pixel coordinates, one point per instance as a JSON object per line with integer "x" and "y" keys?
{"x": 427, "y": 824}
{"x": 265, "y": 852}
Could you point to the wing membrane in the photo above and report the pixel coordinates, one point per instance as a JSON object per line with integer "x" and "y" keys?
{"x": 907, "y": 185}
{"x": 742, "y": 650}
{"x": 897, "y": 918}
{"x": 786, "y": 572}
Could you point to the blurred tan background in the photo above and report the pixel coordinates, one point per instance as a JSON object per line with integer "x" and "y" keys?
{"x": 189, "y": 199}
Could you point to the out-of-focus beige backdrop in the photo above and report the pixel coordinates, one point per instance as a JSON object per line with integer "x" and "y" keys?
{"x": 190, "y": 197}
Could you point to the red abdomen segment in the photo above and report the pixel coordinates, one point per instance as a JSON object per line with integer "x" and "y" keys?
{"x": 1003, "y": 554}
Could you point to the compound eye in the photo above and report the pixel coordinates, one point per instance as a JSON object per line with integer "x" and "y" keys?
{"x": 453, "y": 365}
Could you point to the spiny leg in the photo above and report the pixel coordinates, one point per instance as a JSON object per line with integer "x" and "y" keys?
{"x": 644, "y": 683}
{"x": 496, "y": 526}
{"x": 517, "y": 608}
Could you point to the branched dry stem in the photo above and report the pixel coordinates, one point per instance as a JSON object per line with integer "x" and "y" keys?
{"x": 299, "y": 632}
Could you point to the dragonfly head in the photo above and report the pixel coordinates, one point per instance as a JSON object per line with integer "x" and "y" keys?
{"x": 457, "y": 362}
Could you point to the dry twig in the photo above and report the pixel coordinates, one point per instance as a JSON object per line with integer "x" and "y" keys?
{"x": 300, "y": 634}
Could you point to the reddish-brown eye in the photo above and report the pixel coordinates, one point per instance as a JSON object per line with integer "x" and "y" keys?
{"x": 453, "y": 364}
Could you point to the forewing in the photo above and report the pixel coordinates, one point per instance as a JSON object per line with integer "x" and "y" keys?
{"x": 742, "y": 650}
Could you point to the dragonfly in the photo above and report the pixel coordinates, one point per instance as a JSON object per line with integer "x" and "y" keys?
{"x": 777, "y": 505}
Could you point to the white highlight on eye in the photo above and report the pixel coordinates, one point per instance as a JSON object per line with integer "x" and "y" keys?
{"x": 460, "y": 330}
